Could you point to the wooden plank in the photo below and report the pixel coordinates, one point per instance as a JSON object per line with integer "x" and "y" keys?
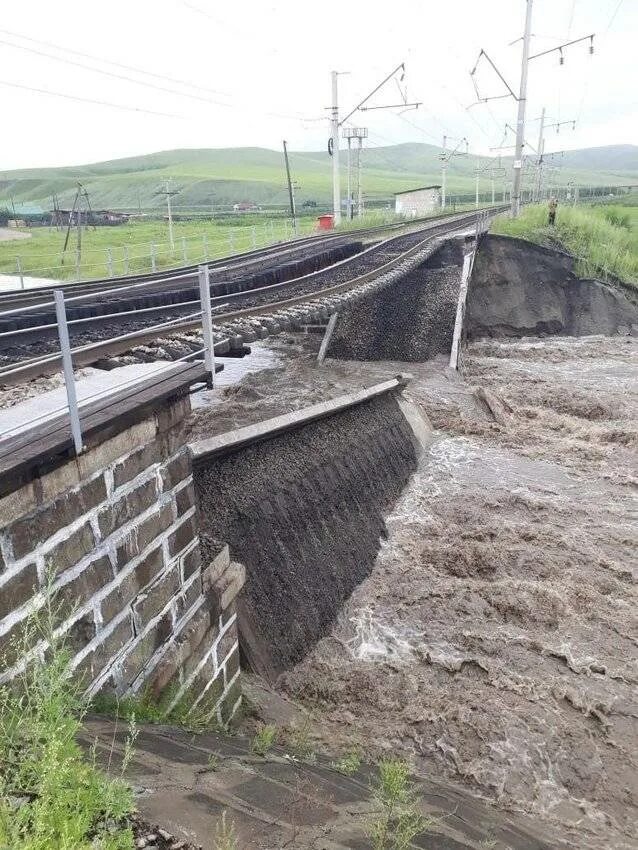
{"x": 222, "y": 444}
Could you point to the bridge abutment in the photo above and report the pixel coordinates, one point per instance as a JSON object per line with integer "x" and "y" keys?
{"x": 111, "y": 539}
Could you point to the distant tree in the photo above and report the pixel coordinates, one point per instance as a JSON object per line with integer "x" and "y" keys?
{"x": 309, "y": 204}
{"x": 5, "y": 215}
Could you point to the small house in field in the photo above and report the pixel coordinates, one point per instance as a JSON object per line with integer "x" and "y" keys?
{"x": 417, "y": 202}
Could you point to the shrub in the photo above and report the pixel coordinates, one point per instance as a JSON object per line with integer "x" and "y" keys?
{"x": 264, "y": 740}
{"x": 348, "y": 764}
{"x": 614, "y": 216}
{"x": 52, "y": 795}
{"x": 400, "y": 819}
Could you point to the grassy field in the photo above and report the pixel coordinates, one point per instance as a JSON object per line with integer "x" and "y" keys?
{"x": 603, "y": 238}
{"x": 133, "y": 245}
{"x": 112, "y": 251}
{"x": 210, "y": 178}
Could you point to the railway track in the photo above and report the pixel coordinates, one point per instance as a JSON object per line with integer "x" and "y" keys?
{"x": 245, "y": 315}
{"x": 187, "y": 275}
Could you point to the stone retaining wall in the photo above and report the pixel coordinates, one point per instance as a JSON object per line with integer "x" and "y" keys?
{"x": 113, "y": 535}
{"x": 304, "y": 511}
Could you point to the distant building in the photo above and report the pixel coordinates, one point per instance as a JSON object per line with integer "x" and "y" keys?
{"x": 104, "y": 218}
{"x": 21, "y": 215}
{"x": 417, "y": 202}
{"x": 245, "y": 206}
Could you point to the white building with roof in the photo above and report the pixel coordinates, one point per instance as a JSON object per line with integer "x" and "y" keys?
{"x": 417, "y": 202}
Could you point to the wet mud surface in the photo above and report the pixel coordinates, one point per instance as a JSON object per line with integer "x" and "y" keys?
{"x": 496, "y": 640}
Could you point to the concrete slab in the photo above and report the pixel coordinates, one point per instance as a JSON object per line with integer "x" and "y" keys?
{"x": 185, "y": 782}
{"x": 94, "y": 383}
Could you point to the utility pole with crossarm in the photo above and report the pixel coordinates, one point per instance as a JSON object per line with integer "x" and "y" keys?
{"x": 521, "y": 98}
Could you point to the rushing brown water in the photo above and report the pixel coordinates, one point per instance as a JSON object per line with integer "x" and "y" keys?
{"x": 496, "y": 639}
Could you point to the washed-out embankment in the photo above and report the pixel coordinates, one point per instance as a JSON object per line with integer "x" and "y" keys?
{"x": 482, "y": 593}
{"x": 522, "y": 289}
{"x": 305, "y": 510}
{"x": 301, "y": 503}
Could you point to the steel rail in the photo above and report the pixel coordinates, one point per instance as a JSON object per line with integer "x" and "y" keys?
{"x": 38, "y": 331}
{"x": 91, "y": 352}
{"x": 111, "y": 285}
{"x": 218, "y": 265}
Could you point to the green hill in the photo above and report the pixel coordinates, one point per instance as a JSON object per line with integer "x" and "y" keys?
{"x": 210, "y": 178}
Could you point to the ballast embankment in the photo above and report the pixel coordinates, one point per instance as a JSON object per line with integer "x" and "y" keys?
{"x": 301, "y": 501}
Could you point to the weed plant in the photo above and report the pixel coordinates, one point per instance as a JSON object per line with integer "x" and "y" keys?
{"x": 52, "y": 794}
{"x": 348, "y": 764}
{"x": 264, "y": 740}
{"x": 399, "y": 818}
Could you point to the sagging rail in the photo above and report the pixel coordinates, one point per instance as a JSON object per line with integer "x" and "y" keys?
{"x": 14, "y": 299}
{"x": 278, "y": 312}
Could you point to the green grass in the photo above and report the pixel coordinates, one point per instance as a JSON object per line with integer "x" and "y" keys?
{"x": 399, "y": 818}
{"x": 53, "y": 795}
{"x": 348, "y": 764}
{"x": 195, "y": 241}
{"x": 41, "y": 254}
{"x": 604, "y": 239}
{"x": 264, "y": 740}
{"x": 218, "y": 177}
{"x": 145, "y": 708}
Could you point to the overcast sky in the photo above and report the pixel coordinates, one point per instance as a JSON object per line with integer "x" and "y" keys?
{"x": 257, "y": 72}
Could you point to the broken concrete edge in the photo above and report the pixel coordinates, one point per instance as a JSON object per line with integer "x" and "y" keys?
{"x": 417, "y": 420}
{"x": 459, "y": 321}
{"x": 220, "y": 444}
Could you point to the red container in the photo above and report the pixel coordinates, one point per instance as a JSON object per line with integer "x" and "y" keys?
{"x": 326, "y": 222}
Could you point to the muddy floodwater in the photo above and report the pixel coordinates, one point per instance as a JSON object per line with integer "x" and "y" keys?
{"x": 496, "y": 639}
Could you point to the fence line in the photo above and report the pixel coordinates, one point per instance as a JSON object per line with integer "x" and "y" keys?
{"x": 122, "y": 260}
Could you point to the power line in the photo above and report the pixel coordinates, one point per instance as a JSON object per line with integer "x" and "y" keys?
{"x": 115, "y": 64}
{"x": 613, "y": 17}
{"x": 89, "y": 100}
{"x": 571, "y": 18}
{"x": 300, "y": 118}
{"x": 416, "y": 127}
{"x": 112, "y": 73}
{"x": 588, "y": 72}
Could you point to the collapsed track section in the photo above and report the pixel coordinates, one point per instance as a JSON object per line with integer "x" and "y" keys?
{"x": 244, "y": 316}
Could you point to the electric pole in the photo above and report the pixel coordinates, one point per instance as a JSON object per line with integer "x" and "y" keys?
{"x": 291, "y": 192}
{"x": 520, "y": 120}
{"x": 445, "y": 159}
{"x": 334, "y": 150}
{"x": 168, "y": 192}
{"x": 335, "y": 123}
{"x": 359, "y": 189}
{"x": 443, "y": 172}
{"x": 541, "y": 145}
{"x": 349, "y": 133}
{"x": 521, "y": 99}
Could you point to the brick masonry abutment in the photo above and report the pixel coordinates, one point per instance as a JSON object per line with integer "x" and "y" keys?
{"x": 112, "y": 537}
